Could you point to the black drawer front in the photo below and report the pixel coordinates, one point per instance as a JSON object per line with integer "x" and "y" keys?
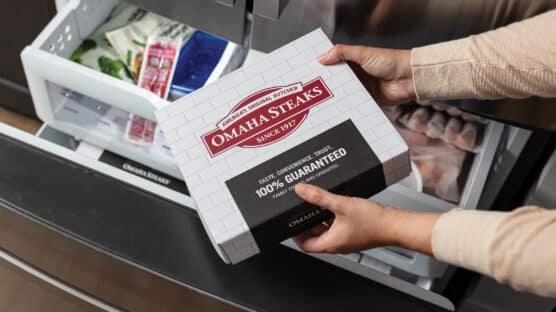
{"x": 169, "y": 239}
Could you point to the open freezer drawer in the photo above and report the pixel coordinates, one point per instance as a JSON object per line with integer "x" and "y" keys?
{"x": 408, "y": 270}
{"x": 92, "y": 107}
{"x": 399, "y": 195}
{"x": 89, "y": 104}
{"x": 155, "y": 229}
{"x": 422, "y": 269}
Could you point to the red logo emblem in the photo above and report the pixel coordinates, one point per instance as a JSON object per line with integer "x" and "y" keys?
{"x": 266, "y": 116}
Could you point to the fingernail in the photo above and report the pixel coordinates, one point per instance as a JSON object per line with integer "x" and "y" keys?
{"x": 323, "y": 57}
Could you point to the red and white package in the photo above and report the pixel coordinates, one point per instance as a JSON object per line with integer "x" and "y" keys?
{"x": 159, "y": 62}
{"x": 135, "y": 129}
{"x": 157, "y": 70}
{"x": 140, "y": 130}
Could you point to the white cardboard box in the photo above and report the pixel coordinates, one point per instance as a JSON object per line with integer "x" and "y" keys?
{"x": 243, "y": 142}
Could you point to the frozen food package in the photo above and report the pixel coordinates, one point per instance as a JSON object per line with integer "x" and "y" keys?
{"x": 436, "y": 125}
{"x": 197, "y": 61}
{"x": 453, "y": 128}
{"x": 467, "y": 138}
{"x": 439, "y": 120}
{"x": 423, "y": 102}
{"x": 404, "y": 119}
{"x": 419, "y": 119}
{"x": 97, "y": 53}
{"x": 156, "y": 76}
{"x": 393, "y": 112}
{"x": 440, "y": 164}
{"x": 439, "y": 106}
{"x": 130, "y": 40}
{"x": 453, "y": 111}
{"x": 135, "y": 129}
{"x": 157, "y": 70}
{"x": 243, "y": 142}
{"x": 469, "y": 117}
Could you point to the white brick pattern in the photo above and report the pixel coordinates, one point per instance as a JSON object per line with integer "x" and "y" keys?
{"x": 187, "y": 119}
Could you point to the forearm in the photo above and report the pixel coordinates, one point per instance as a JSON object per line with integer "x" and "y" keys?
{"x": 409, "y": 229}
{"x": 516, "y": 61}
{"x": 516, "y": 248}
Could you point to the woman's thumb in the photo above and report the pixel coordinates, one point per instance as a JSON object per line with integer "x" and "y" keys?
{"x": 320, "y": 197}
{"x": 342, "y": 52}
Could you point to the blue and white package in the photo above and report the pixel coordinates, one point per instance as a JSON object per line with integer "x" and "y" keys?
{"x": 197, "y": 60}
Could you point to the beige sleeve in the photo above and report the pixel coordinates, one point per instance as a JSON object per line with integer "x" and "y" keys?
{"x": 516, "y": 61}
{"x": 517, "y": 248}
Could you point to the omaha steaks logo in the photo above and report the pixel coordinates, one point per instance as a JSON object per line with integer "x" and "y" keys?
{"x": 266, "y": 116}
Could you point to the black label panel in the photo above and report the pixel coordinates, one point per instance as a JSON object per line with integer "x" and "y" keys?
{"x": 145, "y": 172}
{"x": 338, "y": 159}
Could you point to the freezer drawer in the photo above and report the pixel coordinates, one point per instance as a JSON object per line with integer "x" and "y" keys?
{"x": 93, "y": 107}
{"x": 402, "y": 196}
{"x": 86, "y": 103}
{"x": 109, "y": 211}
{"x": 62, "y": 145}
{"x": 291, "y": 19}
{"x": 421, "y": 266}
{"x": 367, "y": 267}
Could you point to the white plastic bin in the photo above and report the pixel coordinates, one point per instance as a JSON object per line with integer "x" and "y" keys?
{"x": 86, "y": 103}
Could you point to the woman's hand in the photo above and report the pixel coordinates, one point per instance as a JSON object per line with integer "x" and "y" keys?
{"x": 361, "y": 224}
{"x": 386, "y": 73}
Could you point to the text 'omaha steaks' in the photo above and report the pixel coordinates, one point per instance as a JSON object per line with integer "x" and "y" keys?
{"x": 243, "y": 142}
